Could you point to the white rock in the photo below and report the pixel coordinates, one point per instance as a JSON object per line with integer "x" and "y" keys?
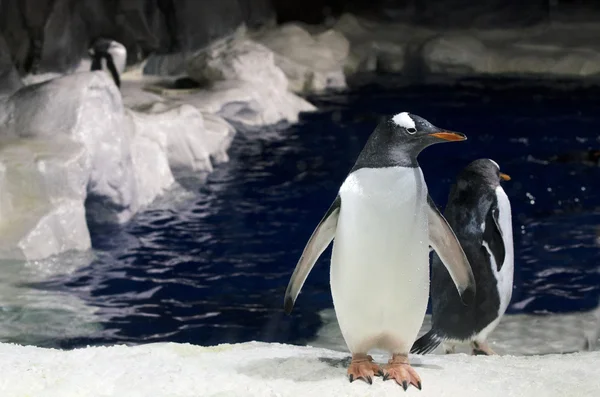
{"x": 192, "y": 140}
{"x": 40, "y": 78}
{"x": 69, "y": 141}
{"x": 137, "y": 98}
{"x": 260, "y": 369}
{"x": 218, "y": 135}
{"x": 375, "y": 45}
{"x": 246, "y": 86}
{"x": 311, "y": 63}
{"x": 42, "y": 191}
{"x": 456, "y": 54}
{"x": 149, "y": 146}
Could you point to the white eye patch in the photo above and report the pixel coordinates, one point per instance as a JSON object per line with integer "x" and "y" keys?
{"x": 405, "y": 121}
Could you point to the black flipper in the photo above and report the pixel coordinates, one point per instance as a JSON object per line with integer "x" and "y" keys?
{"x": 426, "y": 343}
{"x": 493, "y": 237}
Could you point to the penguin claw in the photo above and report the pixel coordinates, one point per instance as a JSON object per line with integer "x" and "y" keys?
{"x": 362, "y": 367}
{"x": 400, "y": 370}
{"x": 482, "y": 349}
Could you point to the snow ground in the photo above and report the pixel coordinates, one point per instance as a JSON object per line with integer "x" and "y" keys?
{"x": 260, "y": 369}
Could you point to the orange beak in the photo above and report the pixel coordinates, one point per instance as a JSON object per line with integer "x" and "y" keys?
{"x": 450, "y": 136}
{"x": 504, "y": 177}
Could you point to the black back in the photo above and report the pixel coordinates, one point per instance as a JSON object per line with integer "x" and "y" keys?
{"x": 471, "y": 203}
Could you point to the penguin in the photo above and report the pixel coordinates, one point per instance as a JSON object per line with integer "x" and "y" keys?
{"x": 382, "y": 223}
{"x": 479, "y": 212}
{"x": 110, "y": 56}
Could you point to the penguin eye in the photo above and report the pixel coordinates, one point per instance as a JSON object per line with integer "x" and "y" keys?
{"x": 411, "y": 130}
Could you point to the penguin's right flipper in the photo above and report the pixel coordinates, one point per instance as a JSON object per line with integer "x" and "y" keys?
{"x": 320, "y": 239}
{"x": 446, "y": 245}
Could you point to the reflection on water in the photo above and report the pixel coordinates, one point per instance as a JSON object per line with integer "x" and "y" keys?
{"x": 211, "y": 264}
{"x": 38, "y": 316}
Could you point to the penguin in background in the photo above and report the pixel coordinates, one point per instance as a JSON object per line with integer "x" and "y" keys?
{"x": 479, "y": 212}
{"x": 382, "y": 223}
{"x": 110, "y": 56}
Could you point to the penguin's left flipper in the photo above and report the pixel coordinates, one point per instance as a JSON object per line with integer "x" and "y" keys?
{"x": 320, "y": 239}
{"x": 446, "y": 245}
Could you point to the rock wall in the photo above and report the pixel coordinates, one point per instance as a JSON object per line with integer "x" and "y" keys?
{"x": 52, "y": 35}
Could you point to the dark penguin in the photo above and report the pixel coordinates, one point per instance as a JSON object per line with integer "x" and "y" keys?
{"x": 479, "y": 212}
{"x": 110, "y": 56}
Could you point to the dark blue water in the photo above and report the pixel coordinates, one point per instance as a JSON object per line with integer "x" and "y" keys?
{"x": 214, "y": 268}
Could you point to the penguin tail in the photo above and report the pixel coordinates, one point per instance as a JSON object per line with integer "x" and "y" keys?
{"x": 426, "y": 343}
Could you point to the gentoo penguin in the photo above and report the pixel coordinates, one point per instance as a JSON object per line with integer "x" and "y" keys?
{"x": 383, "y": 222}
{"x": 479, "y": 212}
{"x": 110, "y": 56}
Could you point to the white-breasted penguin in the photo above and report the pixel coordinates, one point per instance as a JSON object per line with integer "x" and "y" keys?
{"x": 383, "y": 222}
{"x": 110, "y": 56}
{"x": 478, "y": 211}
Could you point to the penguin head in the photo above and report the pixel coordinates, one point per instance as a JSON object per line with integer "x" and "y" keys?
{"x": 106, "y": 48}
{"x": 110, "y": 56}
{"x": 398, "y": 140}
{"x": 418, "y": 132}
{"x": 486, "y": 170}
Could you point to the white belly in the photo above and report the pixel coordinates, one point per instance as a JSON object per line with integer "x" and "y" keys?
{"x": 504, "y": 277}
{"x": 380, "y": 260}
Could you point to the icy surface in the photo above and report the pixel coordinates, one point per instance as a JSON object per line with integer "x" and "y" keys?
{"x": 258, "y": 369}
{"x": 310, "y": 62}
{"x": 42, "y": 190}
{"x": 246, "y": 85}
{"x": 516, "y": 335}
{"x": 69, "y": 149}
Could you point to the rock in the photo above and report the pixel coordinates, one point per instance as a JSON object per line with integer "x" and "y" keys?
{"x": 9, "y": 78}
{"x": 136, "y": 97}
{"x": 189, "y": 142}
{"x": 65, "y": 37}
{"x": 245, "y": 85}
{"x": 311, "y": 63}
{"x": 218, "y": 136}
{"x": 42, "y": 191}
{"x": 69, "y": 150}
{"x": 512, "y": 52}
{"x": 149, "y": 145}
{"x": 376, "y": 46}
{"x": 196, "y": 140}
{"x": 87, "y": 108}
{"x": 455, "y": 54}
{"x": 52, "y": 35}
{"x": 486, "y": 14}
